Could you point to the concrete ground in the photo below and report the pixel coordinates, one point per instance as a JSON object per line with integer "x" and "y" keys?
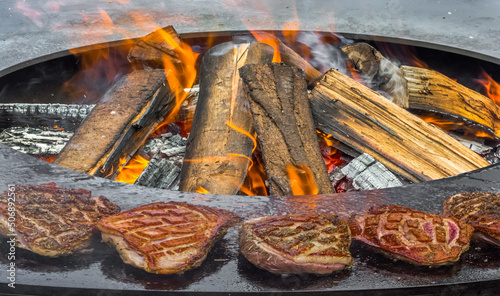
{"x": 30, "y": 29}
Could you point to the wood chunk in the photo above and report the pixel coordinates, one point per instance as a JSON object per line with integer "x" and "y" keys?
{"x": 368, "y": 173}
{"x": 278, "y": 99}
{"x": 404, "y": 143}
{"x": 35, "y": 141}
{"x": 432, "y": 91}
{"x": 119, "y": 124}
{"x": 152, "y": 49}
{"x": 221, "y": 140}
{"x": 288, "y": 55}
{"x": 379, "y": 71}
{"x": 164, "y": 168}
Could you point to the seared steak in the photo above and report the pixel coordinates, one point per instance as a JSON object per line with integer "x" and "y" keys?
{"x": 413, "y": 236}
{"x": 480, "y": 210}
{"x": 295, "y": 244}
{"x": 166, "y": 238}
{"x": 52, "y": 221}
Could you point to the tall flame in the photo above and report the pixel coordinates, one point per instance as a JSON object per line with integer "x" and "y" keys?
{"x": 301, "y": 180}
{"x": 491, "y": 86}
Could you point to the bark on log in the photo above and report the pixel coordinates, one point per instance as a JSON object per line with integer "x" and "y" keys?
{"x": 379, "y": 71}
{"x": 119, "y": 124}
{"x": 280, "y": 108}
{"x": 288, "y": 55}
{"x": 404, "y": 143}
{"x": 220, "y": 143}
{"x": 432, "y": 91}
{"x": 152, "y": 49}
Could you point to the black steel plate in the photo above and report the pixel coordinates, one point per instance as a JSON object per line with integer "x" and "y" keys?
{"x": 225, "y": 271}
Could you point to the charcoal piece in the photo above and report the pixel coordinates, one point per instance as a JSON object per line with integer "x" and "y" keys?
{"x": 35, "y": 141}
{"x": 368, "y": 173}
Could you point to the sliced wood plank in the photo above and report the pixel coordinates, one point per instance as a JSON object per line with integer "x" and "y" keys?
{"x": 432, "y": 91}
{"x": 404, "y": 143}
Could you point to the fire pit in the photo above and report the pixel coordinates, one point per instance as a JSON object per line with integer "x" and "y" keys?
{"x": 227, "y": 272}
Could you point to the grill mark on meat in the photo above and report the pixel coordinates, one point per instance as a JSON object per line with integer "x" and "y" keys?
{"x": 478, "y": 209}
{"x": 54, "y": 221}
{"x": 410, "y": 235}
{"x": 166, "y": 237}
{"x": 300, "y": 243}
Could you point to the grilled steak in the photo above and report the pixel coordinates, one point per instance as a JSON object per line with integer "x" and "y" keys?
{"x": 480, "y": 210}
{"x": 52, "y": 221}
{"x": 413, "y": 236}
{"x": 295, "y": 244}
{"x": 166, "y": 238}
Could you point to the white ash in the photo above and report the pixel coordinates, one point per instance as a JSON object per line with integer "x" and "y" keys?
{"x": 35, "y": 141}
{"x": 368, "y": 173}
{"x": 62, "y": 111}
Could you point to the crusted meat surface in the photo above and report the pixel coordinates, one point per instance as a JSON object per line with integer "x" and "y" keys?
{"x": 478, "y": 209}
{"x": 413, "y": 236}
{"x": 166, "y": 238}
{"x": 298, "y": 243}
{"x": 52, "y": 221}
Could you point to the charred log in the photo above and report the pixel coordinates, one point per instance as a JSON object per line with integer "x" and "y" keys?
{"x": 221, "y": 139}
{"x": 378, "y": 71}
{"x": 35, "y": 141}
{"x": 278, "y": 100}
{"x": 432, "y": 91}
{"x": 404, "y": 143}
{"x": 119, "y": 124}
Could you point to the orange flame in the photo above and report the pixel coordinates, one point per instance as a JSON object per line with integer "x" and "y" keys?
{"x": 254, "y": 183}
{"x": 491, "y": 86}
{"x": 268, "y": 39}
{"x": 133, "y": 169}
{"x": 202, "y": 190}
{"x": 301, "y": 180}
{"x": 331, "y": 155}
{"x": 449, "y": 125}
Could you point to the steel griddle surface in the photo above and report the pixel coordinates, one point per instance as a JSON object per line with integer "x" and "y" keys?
{"x": 225, "y": 271}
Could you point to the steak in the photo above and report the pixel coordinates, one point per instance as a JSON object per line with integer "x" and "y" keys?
{"x": 296, "y": 244}
{"x": 49, "y": 220}
{"x": 166, "y": 238}
{"x": 413, "y": 236}
{"x": 478, "y": 209}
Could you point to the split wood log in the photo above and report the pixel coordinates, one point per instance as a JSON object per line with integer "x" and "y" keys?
{"x": 278, "y": 99}
{"x": 379, "y": 71}
{"x": 432, "y": 91}
{"x": 152, "y": 49}
{"x": 221, "y": 140}
{"x": 35, "y": 141}
{"x": 288, "y": 55}
{"x": 119, "y": 124}
{"x": 404, "y": 143}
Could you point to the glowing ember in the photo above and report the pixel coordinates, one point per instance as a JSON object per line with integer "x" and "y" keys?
{"x": 132, "y": 170}
{"x": 301, "y": 180}
{"x": 331, "y": 155}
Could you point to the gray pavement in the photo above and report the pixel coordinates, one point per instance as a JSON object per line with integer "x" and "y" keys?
{"x": 30, "y": 29}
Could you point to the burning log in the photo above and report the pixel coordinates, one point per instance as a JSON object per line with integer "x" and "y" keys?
{"x": 368, "y": 173}
{"x": 35, "y": 141}
{"x": 164, "y": 168}
{"x": 432, "y": 91}
{"x": 288, "y": 55}
{"x": 278, "y": 100}
{"x": 404, "y": 143}
{"x": 66, "y": 116}
{"x": 379, "y": 71}
{"x": 119, "y": 124}
{"x": 152, "y": 50}
{"x": 221, "y": 139}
